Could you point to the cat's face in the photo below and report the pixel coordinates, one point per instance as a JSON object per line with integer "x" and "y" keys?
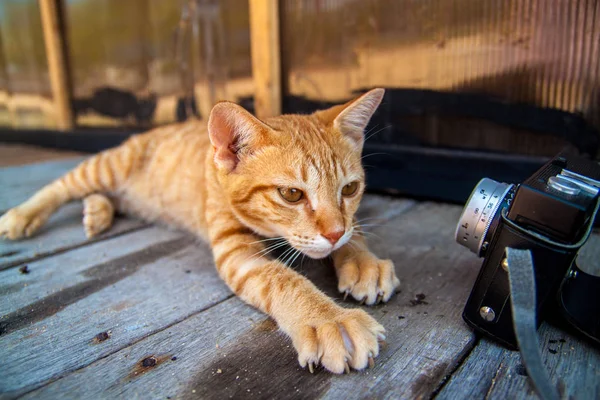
{"x": 297, "y": 177}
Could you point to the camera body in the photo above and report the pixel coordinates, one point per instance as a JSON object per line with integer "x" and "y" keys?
{"x": 548, "y": 214}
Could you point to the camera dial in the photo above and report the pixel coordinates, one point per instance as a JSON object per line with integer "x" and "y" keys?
{"x": 479, "y": 213}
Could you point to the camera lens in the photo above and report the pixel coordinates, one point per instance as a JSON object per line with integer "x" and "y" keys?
{"x": 479, "y": 212}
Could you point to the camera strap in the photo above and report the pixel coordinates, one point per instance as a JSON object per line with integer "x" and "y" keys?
{"x": 521, "y": 277}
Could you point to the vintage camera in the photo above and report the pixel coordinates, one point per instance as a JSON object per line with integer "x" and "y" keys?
{"x": 551, "y": 214}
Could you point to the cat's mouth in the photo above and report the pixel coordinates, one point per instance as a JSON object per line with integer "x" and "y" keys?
{"x": 322, "y": 251}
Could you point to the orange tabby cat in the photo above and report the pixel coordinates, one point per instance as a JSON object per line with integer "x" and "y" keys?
{"x": 292, "y": 177}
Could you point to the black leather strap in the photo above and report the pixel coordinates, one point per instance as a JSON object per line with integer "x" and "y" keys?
{"x": 523, "y": 302}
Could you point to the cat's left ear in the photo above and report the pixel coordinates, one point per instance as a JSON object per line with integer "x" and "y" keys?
{"x": 234, "y": 133}
{"x": 352, "y": 118}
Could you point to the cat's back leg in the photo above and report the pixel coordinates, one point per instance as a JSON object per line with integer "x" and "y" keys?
{"x": 104, "y": 173}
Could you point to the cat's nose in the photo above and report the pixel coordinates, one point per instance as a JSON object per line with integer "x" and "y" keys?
{"x": 333, "y": 237}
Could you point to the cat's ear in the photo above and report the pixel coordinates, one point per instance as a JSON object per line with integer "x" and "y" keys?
{"x": 232, "y": 131}
{"x": 352, "y": 118}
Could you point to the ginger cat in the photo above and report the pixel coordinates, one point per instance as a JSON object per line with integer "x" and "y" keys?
{"x": 295, "y": 179}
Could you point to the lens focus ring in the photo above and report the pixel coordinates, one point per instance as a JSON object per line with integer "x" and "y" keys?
{"x": 479, "y": 213}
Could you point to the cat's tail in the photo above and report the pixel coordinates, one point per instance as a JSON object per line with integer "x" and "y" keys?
{"x": 104, "y": 173}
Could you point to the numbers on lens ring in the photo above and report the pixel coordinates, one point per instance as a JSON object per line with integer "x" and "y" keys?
{"x": 476, "y": 211}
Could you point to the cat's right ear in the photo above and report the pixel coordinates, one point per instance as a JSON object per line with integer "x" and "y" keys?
{"x": 233, "y": 132}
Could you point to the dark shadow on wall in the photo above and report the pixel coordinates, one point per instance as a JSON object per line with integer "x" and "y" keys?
{"x": 120, "y": 104}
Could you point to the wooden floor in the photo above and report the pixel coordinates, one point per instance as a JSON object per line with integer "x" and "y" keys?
{"x": 141, "y": 313}
{"x": 16, "y": 154}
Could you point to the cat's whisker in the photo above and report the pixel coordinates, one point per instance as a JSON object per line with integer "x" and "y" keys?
{"x": 271, "y": 247}
{"x": 288, "y": 256}
{"x": 285, "y": 254}
{"x": 358, "y": 221}
{"x": 371, "y": 234}
{"x": 264, "y": 252}
{"x": 297, "y": 254}
{"x": 374, "y": 154}
{"x": 364, "y": 225}
{"x": 302, "y": 261}
{"x": 372, "y": 129}
{"x": 369, "y": 135}
{"x": 353, "y": 244}
{"x": 266, "y": 240}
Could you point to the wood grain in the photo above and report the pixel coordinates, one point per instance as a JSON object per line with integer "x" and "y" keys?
{"x": 200, "y": 341}
{"x": 425, "y": 341}
{"x": 53, "y": 274}
{"x": 573, "y": 363}
{"x": 18, "y": 154}
{"x": 163, "y": 279}
{"x": 155, "y": 295}
{"x": 20, "y": 183}
{"x": 64, "y": 230}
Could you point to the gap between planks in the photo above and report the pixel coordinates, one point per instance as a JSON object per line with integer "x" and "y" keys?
{"x": 410, "y": 356}
{"x": 117, "y": 350}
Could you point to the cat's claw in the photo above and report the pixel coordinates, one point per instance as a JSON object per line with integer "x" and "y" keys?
{"x": 340, "y": 342}
{"x": 311, "y": 368}
{"x": 346, "y": 294}
{"x": 367, "y": 278}
{"x": 371, "y": 362}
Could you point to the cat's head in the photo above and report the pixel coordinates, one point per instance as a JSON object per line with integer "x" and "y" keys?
{"x": 299, "y": 177}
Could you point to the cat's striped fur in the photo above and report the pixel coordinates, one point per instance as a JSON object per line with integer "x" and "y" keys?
{"x": 227, "y": 182}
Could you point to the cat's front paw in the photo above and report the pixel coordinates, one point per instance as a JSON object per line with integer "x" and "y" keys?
{"x": 367, "y": 278}
{"x": 350, "y": 339}
{"x": 16, "y": 224}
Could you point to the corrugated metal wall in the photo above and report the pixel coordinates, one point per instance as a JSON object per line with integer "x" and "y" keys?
{"x": 544, "y": 52}
{"x": 126, "y": 55}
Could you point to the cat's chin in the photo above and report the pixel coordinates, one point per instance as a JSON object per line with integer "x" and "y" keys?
{"x": 317, "y": 255}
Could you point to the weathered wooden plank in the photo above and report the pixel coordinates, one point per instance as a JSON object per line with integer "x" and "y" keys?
{"x": 493, "y": 372}
{"x": 573, "y": 364}
{"x": 202, "y": 345}
{"x": 20, "y": 183}
{"x": 14, "y": 154}
{"x": 247, "y": 358}
{"x": 132, "y": 295}
{"x": 266, "y": 57}
{"x": 64, "y": 230}
{"x": 53, "y": 274}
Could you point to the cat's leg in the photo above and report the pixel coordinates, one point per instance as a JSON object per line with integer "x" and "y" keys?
{"x": 102, "y": 173}
{"x": 98, "y": 214}
{"x": 362, "y": 274}
{"x": 321, "y": 331}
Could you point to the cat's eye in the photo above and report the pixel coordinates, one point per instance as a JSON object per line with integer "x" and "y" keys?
{"x": 292, "y": 195}
{"x": 350, "y": 189}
